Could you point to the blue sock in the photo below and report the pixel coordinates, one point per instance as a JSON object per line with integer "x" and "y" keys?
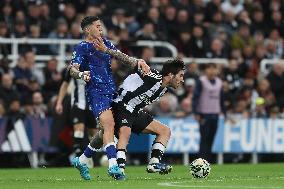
{"x": 110, "y": 150}
{"x": 89, "y": 152}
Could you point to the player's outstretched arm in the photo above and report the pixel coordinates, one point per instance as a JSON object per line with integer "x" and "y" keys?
{"x": 133, "y": 62}
{"x": 60, "y": 97}
{"x": 75, "y": 73}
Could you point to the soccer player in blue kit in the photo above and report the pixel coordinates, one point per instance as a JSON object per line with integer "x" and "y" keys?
{"x": 94, "y": 67}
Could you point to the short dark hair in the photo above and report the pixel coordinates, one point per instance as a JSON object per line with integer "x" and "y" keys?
{"x": 172, "y": 66}
{"x": 88, "y": 21}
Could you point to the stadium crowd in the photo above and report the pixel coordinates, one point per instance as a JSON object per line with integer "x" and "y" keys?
{"x": 242, "y": 31}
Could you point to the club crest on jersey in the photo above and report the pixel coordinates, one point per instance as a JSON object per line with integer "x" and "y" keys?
{"x": 124, "y": 121}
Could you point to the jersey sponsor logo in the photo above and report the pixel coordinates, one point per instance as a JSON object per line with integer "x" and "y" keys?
{"x": 124, "y": 121}
{"x": 75, "y": 120}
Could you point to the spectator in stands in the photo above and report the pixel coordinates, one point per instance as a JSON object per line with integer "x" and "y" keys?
{"x": 2, "y": 109}
{"x": 234, "y": 6}
{"x": 242, "y": 38}
{"x": 207, "y": 105}
{"x": 277, "y": 22}
{"x": 239, "y": 112}
{"x": 117, "y": 21}
{"x": 258, "y": 22}
{"x": 198, "y": 18}
{"x": 31, "y": 65}
{"x": 182, "y": 42}
{"x": 147, "y": 32}
{"x": 4, "y": 66}
{"x": 197, "y": 43}
{"x": 191, "y": 75}
{"x": 125, "y": 42}
{"x": 21, "y": 17}
{"x": 274, "y": 36}
{"x": 166, "y": 106}
{"x": 7, "y": 16}
{"x": 47, "y": 22}
{"x": 216, "y": 25}
{"x": 182, "y": 22}
{"x": 52, "y": 79}
{"x": 39, "y": 108}
{"x": 20, "y": 29}
{"x": 34, "y": 12}
{"x": 22, "y": 75}
{"x": 276, "y": 80}
{"x": 263, "y": 90}
{"x": 93, "y": 11}
{"x": 61, "y": 32}
{"x": 7, "y": 90}
{"x": 185, "y": 108}
{"x": 212, "y": 8}
{"x": 69, "y": 14}
{"x": 230, "y": 22}
{"x": 154, "y": 18}
{"x": 228, "y": 96}
{"x": 169, "y": 17}
{"x": 14, "y": 112}
{"x": 4, "y": 48}
{"x": 75, "y": 31}
{"x": 4, "y": 33}
{"x": 217, "y": 49}
{"x": 259, "y": 38}
{"x": 232, "y": 76}
{"x": 147, "y": 54}
{"x": 259, "y": 111}
{"x": 274, "y": 113}
{"x": 243, "y": 18}
{"x": 35, "y": 32}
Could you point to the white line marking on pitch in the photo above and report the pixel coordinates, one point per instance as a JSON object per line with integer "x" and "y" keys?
{"x": 175, "y": 184}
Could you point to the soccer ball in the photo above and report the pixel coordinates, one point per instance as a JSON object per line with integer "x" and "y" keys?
{"x": 200, "y": 168}
{"x": 104, "y": 161}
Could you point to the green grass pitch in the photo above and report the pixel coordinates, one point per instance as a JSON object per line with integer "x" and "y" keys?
{"x": 242, "y": 176}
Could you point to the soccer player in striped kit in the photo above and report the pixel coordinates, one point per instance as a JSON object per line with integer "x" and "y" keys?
{"x": 81, "y": 115}
{"x": 137, "y": 91}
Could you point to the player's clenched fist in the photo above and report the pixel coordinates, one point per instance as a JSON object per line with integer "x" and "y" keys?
{"x": 143, "y": 66}
{"x": 85, "y": 75}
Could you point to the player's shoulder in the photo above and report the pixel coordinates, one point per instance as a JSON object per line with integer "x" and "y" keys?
{"x": 108, "y": 43}
{"x": 82, "y": 47}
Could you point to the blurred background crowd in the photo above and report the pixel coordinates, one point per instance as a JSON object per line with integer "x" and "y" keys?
{"x": 242, "y": 31}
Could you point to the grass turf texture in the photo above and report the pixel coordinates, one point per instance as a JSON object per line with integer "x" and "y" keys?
{"x": 242, "y": 176}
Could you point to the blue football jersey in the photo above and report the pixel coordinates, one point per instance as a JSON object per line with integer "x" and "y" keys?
{"x": 99, "y": 65}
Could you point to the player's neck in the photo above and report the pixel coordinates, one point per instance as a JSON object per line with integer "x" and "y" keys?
{"x": 89, "y": 39}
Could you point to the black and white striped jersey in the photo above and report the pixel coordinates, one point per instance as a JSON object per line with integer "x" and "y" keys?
{"x": 78, "y": 96}
{"x": 138, "y": 91}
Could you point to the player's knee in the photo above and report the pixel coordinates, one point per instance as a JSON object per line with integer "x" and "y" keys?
{"x": 124, "y": 132}
{"x": 166, "y": 132}
{"x": 108, "y": 125}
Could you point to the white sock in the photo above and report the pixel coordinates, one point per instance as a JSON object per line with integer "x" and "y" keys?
{"x": 157, "y": 147}
{"x": 154, "y": 160}
{"x": 83, "y": 159}
{"x": 112, "y": 162}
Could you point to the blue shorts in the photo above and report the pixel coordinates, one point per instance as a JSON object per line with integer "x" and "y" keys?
{"x": 99, "y": 103}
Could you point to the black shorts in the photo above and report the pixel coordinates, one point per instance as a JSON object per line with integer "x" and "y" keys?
{"x": 136, "y": 121}
{"x": 83, "y": 116}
